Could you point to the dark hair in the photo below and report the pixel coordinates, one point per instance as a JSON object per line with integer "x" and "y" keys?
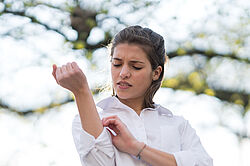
{"x": 153, "y": 45}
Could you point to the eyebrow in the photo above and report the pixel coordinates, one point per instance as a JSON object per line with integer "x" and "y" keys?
{"x": 134, "y": 61}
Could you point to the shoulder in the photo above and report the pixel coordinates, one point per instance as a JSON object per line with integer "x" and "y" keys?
{"x": 166, "y": 112}
{"x": 175, "y": 124}
{"x": 167, "y": 118}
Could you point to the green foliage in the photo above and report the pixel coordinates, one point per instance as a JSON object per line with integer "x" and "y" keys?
{"x": 79, "y": 45}
{"x": 171, "y": 83}
{"x": 28, "y": 4}
{"x": 181, "y": 51}
{"x": 91, "y": 23}
{"x": 196, "y": 81}
{"x": 104, "y": 11}
{"x": 209, "y": 92}
{"x": 89, "y": 55}
{"x": 201, "y": 35}
{"x": 8, "y": 5}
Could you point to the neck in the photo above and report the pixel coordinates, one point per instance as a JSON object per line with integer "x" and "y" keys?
{"x": 135, "y": 104}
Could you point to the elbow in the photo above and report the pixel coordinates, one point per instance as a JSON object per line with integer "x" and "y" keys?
{"x": 97, "y": 158}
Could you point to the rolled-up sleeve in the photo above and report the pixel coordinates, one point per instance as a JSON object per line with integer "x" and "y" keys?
{"x": 192, "y": 152}
{"x": 92, "y": 151}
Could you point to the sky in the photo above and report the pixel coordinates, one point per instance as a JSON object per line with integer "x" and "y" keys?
{"x": 26, "y": 83}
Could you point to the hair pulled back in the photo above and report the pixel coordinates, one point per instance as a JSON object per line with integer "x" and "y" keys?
{"x": 153, "y": 45}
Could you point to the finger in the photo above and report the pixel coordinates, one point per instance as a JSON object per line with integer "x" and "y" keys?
{"x": 74, "y": 65}
{"x": 105, "y": 120}
{"x": 112, "y": 135}
{"x": 115, "y": 122}
{"x": 58, "y": 73}
{"x": 114, "y": 128}
{"x": 54, "y": 71}
{"x": 64, "y": 69}
{"x": 111, "y": 117}
{"x": 110, "y": 121}
{"x": 69, "y": 67}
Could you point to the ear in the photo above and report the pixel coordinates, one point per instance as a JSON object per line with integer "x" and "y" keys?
{"x": 157, "y": 73}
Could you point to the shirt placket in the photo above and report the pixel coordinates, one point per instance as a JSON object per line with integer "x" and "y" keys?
{"x": 141, "y": 129}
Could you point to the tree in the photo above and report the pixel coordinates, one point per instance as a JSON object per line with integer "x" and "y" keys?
{"x": 208, "y": 51}
{"x": 77, "y": 16}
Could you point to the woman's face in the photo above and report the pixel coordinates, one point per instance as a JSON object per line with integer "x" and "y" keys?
{"x": 131, "y": 71}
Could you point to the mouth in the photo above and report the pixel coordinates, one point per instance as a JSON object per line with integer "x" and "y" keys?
{"x": 123, "y": 85}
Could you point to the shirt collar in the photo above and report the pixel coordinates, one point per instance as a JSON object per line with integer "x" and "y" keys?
{"x": 114, "y": 102}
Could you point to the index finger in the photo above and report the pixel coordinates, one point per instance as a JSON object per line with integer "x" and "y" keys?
{"x": 115, "y": 123}
{"x": 111, "y": 117}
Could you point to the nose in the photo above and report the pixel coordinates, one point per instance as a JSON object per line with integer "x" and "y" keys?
{"x": 125, "y": 72}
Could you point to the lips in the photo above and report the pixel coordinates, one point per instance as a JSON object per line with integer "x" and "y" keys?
{"x": 123, "y": 85}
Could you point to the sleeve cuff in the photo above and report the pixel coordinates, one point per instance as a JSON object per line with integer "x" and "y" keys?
{"x": 188, "y": 158}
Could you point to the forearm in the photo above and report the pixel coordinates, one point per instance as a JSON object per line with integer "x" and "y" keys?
{"x": 156, "y": 157}
{"x": 71, "y": 77}
{"x": 90, "y": 119}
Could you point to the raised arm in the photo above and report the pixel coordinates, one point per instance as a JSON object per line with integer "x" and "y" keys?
{"x": 71, "y": 77}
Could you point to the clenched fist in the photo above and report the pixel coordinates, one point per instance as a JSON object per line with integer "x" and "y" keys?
{"x": 71, "y": 77}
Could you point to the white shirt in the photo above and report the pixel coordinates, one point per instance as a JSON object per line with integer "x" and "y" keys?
{"x": 158, "y": 128}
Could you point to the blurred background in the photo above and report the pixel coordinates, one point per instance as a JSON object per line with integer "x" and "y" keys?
{"x": 206, "y": 80}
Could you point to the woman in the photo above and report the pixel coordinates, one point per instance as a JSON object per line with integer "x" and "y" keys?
{"x": 130, "y": 129}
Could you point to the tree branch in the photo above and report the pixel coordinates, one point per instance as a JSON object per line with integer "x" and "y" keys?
{"x": 43, "y": 109}
{"x": 229, "y": 96}
{"x": 34, "y": 20}
{"x": 37, "y": 110}
{"x": 209, "y": 54}
{"x": 241, "y": 135}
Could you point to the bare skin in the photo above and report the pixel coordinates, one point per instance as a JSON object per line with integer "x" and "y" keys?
{"x": 131, "y": 66}
{"x": 71, "y": 77}
{"x": 125, "y": 142}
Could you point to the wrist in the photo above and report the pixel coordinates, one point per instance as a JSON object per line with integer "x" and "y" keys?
{"x": 137, "y": 147}
{"x": 82, "y": 91}
{"x": 139, "y": 153}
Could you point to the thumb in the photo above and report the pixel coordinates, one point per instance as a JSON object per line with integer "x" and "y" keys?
{"x": 54, "y": 71}
{"x": 112, "y": 135}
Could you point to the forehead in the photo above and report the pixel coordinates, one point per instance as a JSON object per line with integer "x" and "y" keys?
{"x": 129, "y": 51}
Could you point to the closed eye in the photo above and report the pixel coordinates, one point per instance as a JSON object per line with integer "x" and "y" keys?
{"x": 137, "y": 68}
{"x": 116, "y": 65}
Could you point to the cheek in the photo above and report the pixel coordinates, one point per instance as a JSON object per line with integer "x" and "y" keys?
{"x": 145, "y": 79}
{"x": 114, "y": 74}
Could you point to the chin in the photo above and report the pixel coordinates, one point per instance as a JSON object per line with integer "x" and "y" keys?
{"x": 123, "y": 96}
